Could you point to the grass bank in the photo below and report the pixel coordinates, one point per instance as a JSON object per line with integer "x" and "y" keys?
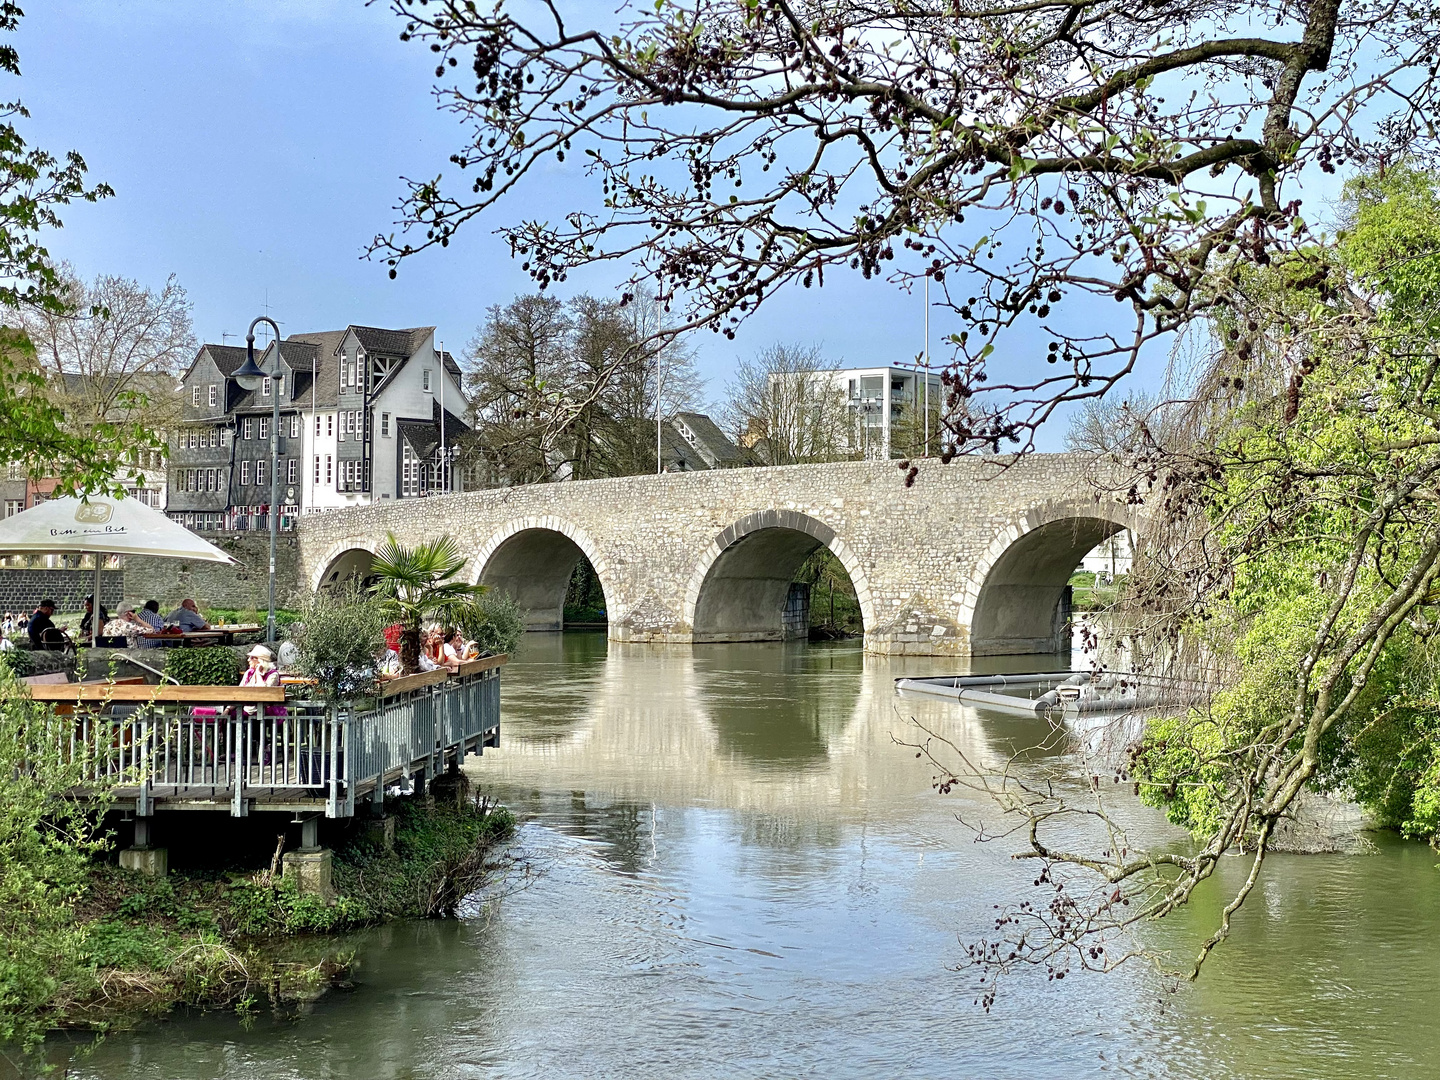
{"x": 231, "y": 937}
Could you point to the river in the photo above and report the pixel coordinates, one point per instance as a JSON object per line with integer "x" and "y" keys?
{"x": 737, "y": 872}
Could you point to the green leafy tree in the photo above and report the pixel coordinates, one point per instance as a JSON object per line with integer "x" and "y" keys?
{"x": 1293, "y": 564}
{"x": 47, "y": 838}
{"x": 340, "y": 639}
{"x": 34, "y": 185}
{"x": 420, "y": 583}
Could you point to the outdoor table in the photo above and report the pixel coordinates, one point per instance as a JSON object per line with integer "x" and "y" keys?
{"x": 220, "y": 635}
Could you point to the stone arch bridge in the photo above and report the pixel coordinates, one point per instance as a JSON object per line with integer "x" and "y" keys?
{"x": 972, "y": 559}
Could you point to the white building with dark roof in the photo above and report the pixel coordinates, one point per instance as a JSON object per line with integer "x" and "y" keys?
{"x": 360, "y": 422}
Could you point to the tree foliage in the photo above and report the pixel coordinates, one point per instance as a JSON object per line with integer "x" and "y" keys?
{"x": 34, "y": 185}
{"x": 1029, "y": 157}
{"x": 572, "y": 390}
{"x": 1292, "y": 567}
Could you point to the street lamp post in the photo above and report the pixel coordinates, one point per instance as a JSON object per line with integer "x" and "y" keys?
{"x": 251, "y": 376}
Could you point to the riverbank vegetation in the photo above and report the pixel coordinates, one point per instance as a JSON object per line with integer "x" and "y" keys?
{"x": 88, "y": 944}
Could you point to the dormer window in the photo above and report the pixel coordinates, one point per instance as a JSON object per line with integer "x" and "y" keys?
{"x": 425, "y": 380}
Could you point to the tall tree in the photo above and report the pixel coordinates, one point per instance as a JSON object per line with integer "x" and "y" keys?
{"x": 115, "y": 348}
{"x": 553, "y": 399}
{"x": 787, "y": 403}
{"x": 34, "y": 185}
{"x": 518, "y": 362}
{"x": 1030, "y": 156}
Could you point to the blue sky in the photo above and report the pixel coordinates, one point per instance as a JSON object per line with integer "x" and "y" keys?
{"x": 255, "y": 146}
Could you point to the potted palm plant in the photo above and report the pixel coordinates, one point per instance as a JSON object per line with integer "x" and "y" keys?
{"x": 419, "y": 583}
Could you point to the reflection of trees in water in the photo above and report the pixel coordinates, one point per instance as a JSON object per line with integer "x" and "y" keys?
{"x": 789, "y": 833}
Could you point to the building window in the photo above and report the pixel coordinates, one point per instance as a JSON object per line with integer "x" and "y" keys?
{"x": 330, "y": 423}
{"x": 15, "y": 471}
{"x": 328, "y": 471}
{"x": 425, "y": 380}
{"x": 317, "y": 468}
{"x": 14, "y": 506}
{"x": 294, "y": 425}
{"x": 264, "y": 427}
{"x": 292, "y": 470}
{"x": 260, "y": 465}
{"x": 280, "y": 385}
{"x": 317, "y": 425}
{"x": 213, "y": 390}
{"x": 384, "y": 425}
{"x": 248, "y": 430}
{"x": 195, "y": 396}
{"x": 412, "y": 472}
{"x": 245, "y": 473}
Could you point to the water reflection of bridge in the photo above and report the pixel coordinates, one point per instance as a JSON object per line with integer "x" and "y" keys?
{"x": 800, "y": 731}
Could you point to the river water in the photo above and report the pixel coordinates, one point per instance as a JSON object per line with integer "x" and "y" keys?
{"x": 737, "y": 872}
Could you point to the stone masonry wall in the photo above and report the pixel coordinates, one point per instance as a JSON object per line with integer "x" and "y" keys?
{"x": 242, "y": 586}
{"x": 918, "y": 556}
{"x": 21, "y": 590}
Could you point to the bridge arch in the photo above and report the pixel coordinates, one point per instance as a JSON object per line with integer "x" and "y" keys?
{"x": 1012, "y": 599}
{"x": 740, "y": 585}
{"x": 344, "y": 560}
{"x": 532, "y": 558}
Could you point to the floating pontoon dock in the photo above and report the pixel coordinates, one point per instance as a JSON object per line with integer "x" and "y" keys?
{"x": 1038, "y": 693}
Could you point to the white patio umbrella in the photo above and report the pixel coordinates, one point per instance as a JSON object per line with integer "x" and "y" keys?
{"x": 100, "y": 526}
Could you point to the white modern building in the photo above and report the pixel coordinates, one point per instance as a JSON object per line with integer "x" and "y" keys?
{"x": 878, "y": 397}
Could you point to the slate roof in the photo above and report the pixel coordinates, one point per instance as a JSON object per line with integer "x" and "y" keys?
{"x": 424, "y": 438}
{"x": 322, "y": 348}
{"x": 713, "y": 444}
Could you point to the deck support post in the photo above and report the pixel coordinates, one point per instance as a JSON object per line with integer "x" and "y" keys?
{"x": 141, "y": 857}
{"x": 310, "y": 865}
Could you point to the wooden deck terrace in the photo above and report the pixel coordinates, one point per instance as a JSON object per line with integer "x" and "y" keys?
{"x": 243, "y": 748}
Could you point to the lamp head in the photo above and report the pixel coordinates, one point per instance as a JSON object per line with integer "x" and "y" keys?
{"x": 249, "y": 374}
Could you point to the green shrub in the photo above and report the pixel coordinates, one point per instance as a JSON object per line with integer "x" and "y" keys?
{"x": 215, "y": 666}
{"x": 254, "y": 910}
{"x": 443, "y": 853}
{"x": 19, "y": 662}
{"x": 47, "y": 837}
{"x": 494, "y": 621}
{"x": 341, "y": 639}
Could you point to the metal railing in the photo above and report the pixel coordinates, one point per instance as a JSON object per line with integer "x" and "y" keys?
{"x": 238, "y": 744}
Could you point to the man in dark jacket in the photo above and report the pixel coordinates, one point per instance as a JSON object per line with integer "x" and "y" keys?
{"x": 44, "y": 634}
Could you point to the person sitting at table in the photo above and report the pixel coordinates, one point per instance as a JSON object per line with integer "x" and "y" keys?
{"x": 453, "y": 651}
{"x": 150, "y": 616}
{"x": 90, "y": 615}
{"x": 262, "y": 670}
{"x": 44, "y": 634}
{"x": 187, "y": 616}
{"x": 124, "y": 630}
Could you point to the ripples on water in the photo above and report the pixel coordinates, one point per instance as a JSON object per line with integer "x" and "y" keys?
{"x": 739, "y": 874}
